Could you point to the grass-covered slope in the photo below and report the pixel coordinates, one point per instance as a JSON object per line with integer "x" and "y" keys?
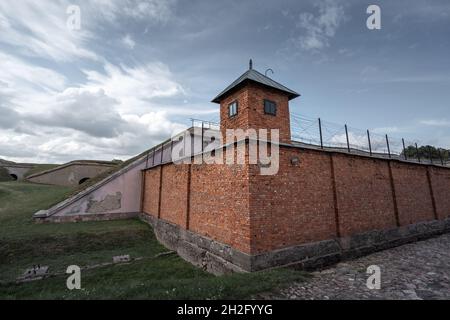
{"x": 39, "y": 168}
{"x": 4, "y": 175}
{"x": 23, "y": 244}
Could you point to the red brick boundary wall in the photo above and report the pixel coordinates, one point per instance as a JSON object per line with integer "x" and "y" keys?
{"x": 211, "y": 200}
{"x": 332, "y": 203}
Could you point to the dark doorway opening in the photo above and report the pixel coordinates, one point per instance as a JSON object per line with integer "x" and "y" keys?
{"x": 83, "y": 180}
{"x": 14, "y": 177}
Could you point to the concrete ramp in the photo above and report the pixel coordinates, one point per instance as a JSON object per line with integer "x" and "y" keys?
{"x": 118, "y": 193}
{"x": 115, "y": 196}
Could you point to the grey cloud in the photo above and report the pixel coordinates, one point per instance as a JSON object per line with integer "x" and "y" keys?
{"x": 91, "y": 113}
{"x": 8, "y": 118}
{"x": 19, "y": 150}
{"x": 321, "y": 28}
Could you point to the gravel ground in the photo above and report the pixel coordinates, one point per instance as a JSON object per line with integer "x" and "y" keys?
{"x": 419, "y": 270}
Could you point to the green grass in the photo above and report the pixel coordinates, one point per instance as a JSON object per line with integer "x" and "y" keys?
{"x": 4, "y": 175}
{"x": 23, "y": 244}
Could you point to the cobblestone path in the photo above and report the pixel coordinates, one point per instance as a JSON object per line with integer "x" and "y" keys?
{"x": 419, "y": 270}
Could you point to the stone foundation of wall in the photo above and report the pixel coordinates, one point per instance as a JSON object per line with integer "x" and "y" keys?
{"x": 219, "y": 258}
{"x": 203, "y": 252}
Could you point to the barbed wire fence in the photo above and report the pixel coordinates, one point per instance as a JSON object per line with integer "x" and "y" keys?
{"x": 333, "y": 136}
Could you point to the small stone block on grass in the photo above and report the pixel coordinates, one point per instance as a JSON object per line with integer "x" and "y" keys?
{"x": 36, "y": 272}
{"x": 121, "y": 259}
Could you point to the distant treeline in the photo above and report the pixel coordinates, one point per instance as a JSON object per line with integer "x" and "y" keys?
{"x": 425, "y": 152}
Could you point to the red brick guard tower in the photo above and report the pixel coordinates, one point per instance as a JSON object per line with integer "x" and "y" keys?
{"x": 254, "y": 101}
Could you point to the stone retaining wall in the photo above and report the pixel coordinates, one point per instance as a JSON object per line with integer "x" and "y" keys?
{"x": 219, "y": 258}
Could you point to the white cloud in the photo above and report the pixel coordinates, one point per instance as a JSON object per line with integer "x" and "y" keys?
{"x": 134, "y": 87}
{"x": 61, "y": 98}
{"x": 16, "y": 72}
{"x": 38, "y": 29}
{"x": 386, "y": 130}
{"x": 359, "y": 141}
{"x": 153, "y": 11}
{"x": 91, "y": 112}
{"x": 436, "y": 122}
{"x": 116, "y": 113}
{"x": 128, "y": 42}
{"x": 112, "y": 115}
{"x": 433, "y": 78}
{"x": 319, "y": 29}
{"x": 8, "y": 117}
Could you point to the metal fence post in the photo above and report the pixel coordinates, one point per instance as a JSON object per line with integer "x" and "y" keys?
{"x": 388, "y": 148}
{"x": 348, "y": 142}
{"x": 440, "y": 156}
{"x": 417, "y": 152}
{"x": 404, "y": 149}
{"x": 202, "y": 136}
{"x": 370, "y": 144}
{"x": 320, "y": 132}
{"x": 430, "y": 154}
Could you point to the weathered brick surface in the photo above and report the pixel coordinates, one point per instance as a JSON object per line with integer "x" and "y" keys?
{"x": 235, "y": 205}
{"x": 257, "y": 117}
{"x": 151, "y": 191}
{"x": 241, "y": 120}
{"x": 174, "y": 193}
{"x": 219, "y": 200}
{"x": 295, "y": 206}
{"x": 440, "y": 180}
{"x": 364, "y": 194}
{"x": 413, "y": 193}
{"x": 220, "y": 204}
{"x": 251, "y": 111}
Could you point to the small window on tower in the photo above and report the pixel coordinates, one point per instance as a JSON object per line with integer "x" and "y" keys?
{"x": 270, "y": 107}
{"x": 233, "y": 109}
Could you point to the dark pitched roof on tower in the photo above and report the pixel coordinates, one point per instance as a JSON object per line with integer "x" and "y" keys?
{"x": 255, "y": 76}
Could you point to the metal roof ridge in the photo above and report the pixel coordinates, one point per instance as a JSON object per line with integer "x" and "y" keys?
{"x": 258, "y": 77}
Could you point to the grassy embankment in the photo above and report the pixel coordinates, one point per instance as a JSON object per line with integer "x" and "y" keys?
{"x": 23, "y": 244}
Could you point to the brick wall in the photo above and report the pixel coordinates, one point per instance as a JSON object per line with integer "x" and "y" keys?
{"x": 240, "y": 121}
{"x": 150, "y": 202}
{"x": 174, "y": 193}
{"x": 413, "y": 193}
{"x": 296, "y": 205}
{"x": 219, "y": 204}
{"x": 251, "y": 114}
{"x": 212, "y": 200}
{"x": 364, "y": 194}
{"x": 323, "y": 196}
{"x": 257, "y": 117}
{"x": 440, "y": 181}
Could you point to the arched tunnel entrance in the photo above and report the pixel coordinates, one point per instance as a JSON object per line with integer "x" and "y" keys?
{"x": 83, "y": 180}
{"x": 13, "y": 176}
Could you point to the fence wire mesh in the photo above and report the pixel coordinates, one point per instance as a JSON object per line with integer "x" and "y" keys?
{"x": 329, "y": 135}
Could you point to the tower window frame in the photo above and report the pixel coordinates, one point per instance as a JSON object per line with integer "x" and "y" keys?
{"x": 233, "y": 109}
{"x": 270, "y": 107}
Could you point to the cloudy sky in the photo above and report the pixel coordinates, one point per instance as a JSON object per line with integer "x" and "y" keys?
{"x": 136, "y": 70}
